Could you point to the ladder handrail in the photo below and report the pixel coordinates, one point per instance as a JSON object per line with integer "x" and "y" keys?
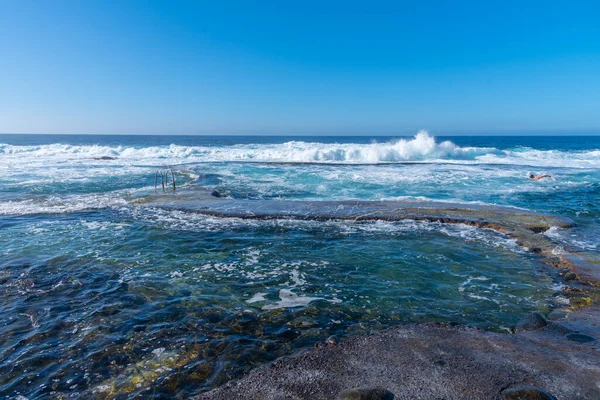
{"x": 164, "y": 179}
{"x": 167, "y": 177}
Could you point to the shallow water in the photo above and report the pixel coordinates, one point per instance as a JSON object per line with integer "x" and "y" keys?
{"x": 103, "y": 297}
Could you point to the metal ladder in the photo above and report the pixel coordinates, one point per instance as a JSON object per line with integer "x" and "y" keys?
{"x": 164, "y": 179}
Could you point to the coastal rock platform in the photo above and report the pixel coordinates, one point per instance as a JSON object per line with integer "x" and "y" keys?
{"x": 434, "y": 361}
{"x": 526, "y": 227}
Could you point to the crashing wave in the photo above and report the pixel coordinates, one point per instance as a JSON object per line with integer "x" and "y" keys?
{"x": 421, "y": 148}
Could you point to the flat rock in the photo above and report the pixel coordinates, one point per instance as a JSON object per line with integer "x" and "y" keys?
{"x": 405, "y": 360}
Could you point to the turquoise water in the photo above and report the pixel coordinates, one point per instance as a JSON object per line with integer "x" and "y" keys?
{"x": 101, "y": 296}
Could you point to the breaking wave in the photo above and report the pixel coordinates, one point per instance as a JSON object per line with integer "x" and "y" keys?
{"x": 422, "y": 148}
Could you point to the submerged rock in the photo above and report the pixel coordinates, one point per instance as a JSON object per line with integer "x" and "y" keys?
{"x": 303, "y": 322}
{"x": 366, "y": 394}
{"x": 570, "y": 276}
{"x": 526, "y": 392}
{"x": 531, "y": 322}
{"x": 580, "y": 337}
{"x": 287, "y": 333}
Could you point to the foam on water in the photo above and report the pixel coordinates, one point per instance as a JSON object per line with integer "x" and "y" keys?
{"x": 289, "y": 299}
{"x": 174, "y": 219}
{"x": 62, "y": 204}
{"x": 422, "y": 148}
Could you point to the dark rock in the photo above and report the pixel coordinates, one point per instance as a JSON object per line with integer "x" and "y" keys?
{"x": 288, "y": 333}
{"x": 526, "y": 392}
{"x": 531, "y": 322}
{"x": 571, "y": 276}
{"x": 580, "y": 337}
{"x": 441, "y": 363}
{"x": 332, "y": 340}
{"x": 563, "y": 271}
{"x": 105, "y": 158}
{"x": 215, "y": 193}
{"x": 366, "y": 394}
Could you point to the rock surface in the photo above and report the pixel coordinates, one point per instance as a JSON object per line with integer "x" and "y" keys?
{"x": 435, "y": 361}
{"x": 531, "y": 322}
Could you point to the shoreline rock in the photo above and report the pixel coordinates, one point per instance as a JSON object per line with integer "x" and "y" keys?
{"x": 438, "y": 361}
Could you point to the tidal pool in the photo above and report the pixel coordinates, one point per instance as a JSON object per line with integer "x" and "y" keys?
{"x": 159, "y": 302}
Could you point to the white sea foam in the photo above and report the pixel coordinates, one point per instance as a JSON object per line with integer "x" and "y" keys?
{"x": 289, "y": 299}
{"x": 258, "y": 297}
{"x": 422, "y": 148}
{"x": 569, "y": 238}
{"x": 61, "y": 204}
{"x": 553, "y": 232}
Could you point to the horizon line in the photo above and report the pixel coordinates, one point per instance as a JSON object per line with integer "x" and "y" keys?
{"x": 515, "y": 132}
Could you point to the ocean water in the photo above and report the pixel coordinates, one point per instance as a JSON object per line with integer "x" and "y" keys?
{"x": 103, "y": 298}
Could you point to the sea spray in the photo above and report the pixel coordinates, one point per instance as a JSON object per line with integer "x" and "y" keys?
{"x": 421, "y": 148}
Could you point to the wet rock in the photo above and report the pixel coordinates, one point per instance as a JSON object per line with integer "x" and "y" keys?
{"x": 215, "y": 193}
{"x": 303, "y": 322}
{"x": 332, "y": 340}
{"x": 563, "y": 271}
{"x": 580, "y": 300}
{"x": 366, "y": 394}
{"x": 440, "y": 363}
{"x": 531, "y": 322}
{"x": 571, "y": 276}
{"x": 557, "y": 314}
{"x": 580, "y": 337}
{"x": 288, "y": 333}
{"x": 105, "y": 158}
{"x": 559, "y": 329}
{"x": 526, "y": 392}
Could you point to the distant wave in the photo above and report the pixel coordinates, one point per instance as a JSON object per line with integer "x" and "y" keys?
{"x": 421, "y": 148}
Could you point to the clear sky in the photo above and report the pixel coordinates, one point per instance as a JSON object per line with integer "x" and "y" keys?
{"x": 299, "y": 67}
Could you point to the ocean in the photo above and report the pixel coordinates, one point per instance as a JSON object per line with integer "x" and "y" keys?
{"x": 103, "y": 297}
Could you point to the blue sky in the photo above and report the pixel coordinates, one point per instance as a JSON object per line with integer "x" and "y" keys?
{"x": 309, "y": 67}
